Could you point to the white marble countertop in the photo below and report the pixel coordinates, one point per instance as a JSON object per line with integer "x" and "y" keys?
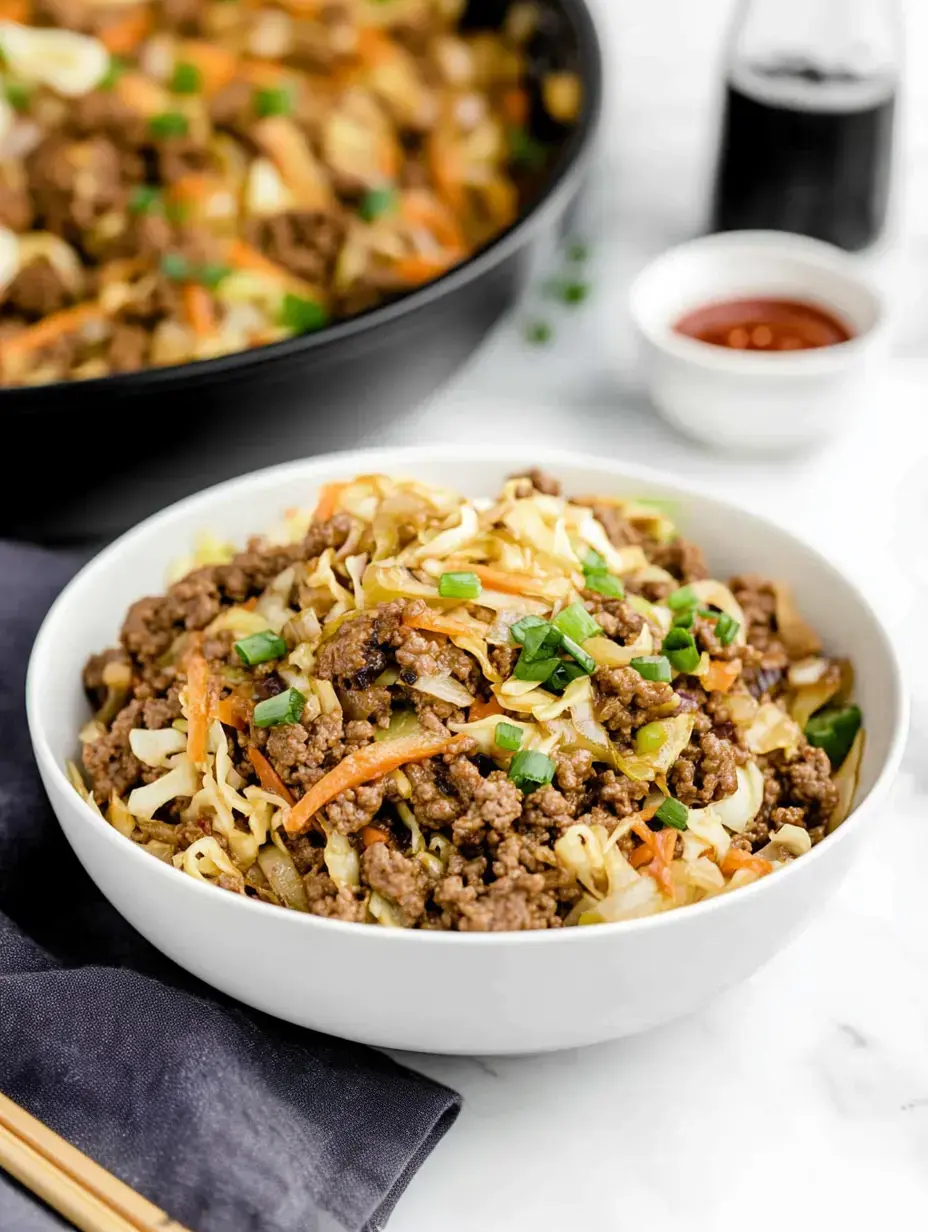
{"x": 801, "y": 1096}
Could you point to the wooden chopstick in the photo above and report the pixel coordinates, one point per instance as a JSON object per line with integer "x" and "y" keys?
{"x": 90, "y": 1197}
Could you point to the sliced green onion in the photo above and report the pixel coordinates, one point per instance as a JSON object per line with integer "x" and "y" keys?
{"x": 302, "y": 315}
{"x": 261, "y": 648}
{"x": 116, "y": 69}
{"x": 726, "y": 629}
{"x": 459, "y": 586}
{"x": 176, "y": 266}
{"x": 576, "y": 622}
{"x": 538, "y": 333}
{"x": 834, "y": 730}
{"x": 564, "y": 674}
{"x": 530, "y": 770}
{"x": 685, "y": 619}
{"x": 585, "y": 660}
{"x": 673, "y": 813}
{"x": 272, "y": 102}
{"x": 508, "y": 736}
{"x": 680, "y": 647}
{"x": 169, "y": 124}
{"x": 212, "y": 273}
{"x": 577, "y": 251}
{"x": 286, "y": 707}
{"x": 17, "y": 95}
{"x": 525, "y": 150}
{"x": 377, "y": 202}
{"x": 650, "y": 738}
{"x": 541, "y": 641}
{"x": 605, "y": 584}
{"x": 535, "y": 669}
{"x": 520, "y": 629}
{"x": 187, "y": 79}
{"x": 653, "y": 667}
{"x": 683, "y": 598}
{"x": 145, "y": 199}
{"x": 574, "y": 292}
{"x": 594, "y": 563}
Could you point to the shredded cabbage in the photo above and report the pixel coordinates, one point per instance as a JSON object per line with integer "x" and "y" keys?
{"x": 341, "y": 860}
{"x": 155, "y": 748}
{"x": 608, "y": 653}
{"x": 182, "y": 781}
{"x": 445, "y": 688}
{"x": 645, "y": 767}
{"x": 772, "y": 728}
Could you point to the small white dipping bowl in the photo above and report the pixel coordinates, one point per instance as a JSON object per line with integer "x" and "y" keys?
{"x": 751, "y": 400}
{"x": 437, "y": 991}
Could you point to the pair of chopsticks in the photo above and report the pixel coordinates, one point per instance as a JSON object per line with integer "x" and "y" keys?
{"x": 77, "y": 1188}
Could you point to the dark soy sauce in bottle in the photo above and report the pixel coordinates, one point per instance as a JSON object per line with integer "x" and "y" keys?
{"x": 807, "y": 134}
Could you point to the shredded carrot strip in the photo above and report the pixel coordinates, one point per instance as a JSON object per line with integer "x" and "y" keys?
{"x": 20, "y": 346}
{"x": 370, "y": 762}
{"x": 16, "y": 10}
{"x": 418, "y": 269}
{"x": 192, "y": 188}
{"x": 242, "y": 256}
{"x": 424, "y": 208}
{"x": 736, "y": 859}
{"x": 140, "y": 93}
{"x": 198, "y": 698}
{"x": 218, "y": 65}
{"x": 122, "y": 37}
{"x": 263, "y": 73}
{"x": 641, "y": 855}
{"x": 721, "y": 676}
{"x": 660, "y": 846}
{"x": 373, "y": 46}
{"x": 198, "y": 308}
{"x": 371, "y": 835}
{"x": 269, "y": 778}
{"x": 515, "y": 106}
{"x": 445, "y": 169}
{"x": 483, "y": 709}
{"x": 434, "y": 622}
{"x": 283, "y": 142}
{"x": 233, "y": 711}
{"x": 328, "y": 499}
{"x": 507, "y": 583}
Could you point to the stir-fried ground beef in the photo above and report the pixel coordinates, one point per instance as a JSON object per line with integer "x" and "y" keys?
{"x": 450, "y": 841}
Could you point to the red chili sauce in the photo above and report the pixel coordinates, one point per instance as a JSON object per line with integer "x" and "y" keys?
{"x": 764, "y": 325}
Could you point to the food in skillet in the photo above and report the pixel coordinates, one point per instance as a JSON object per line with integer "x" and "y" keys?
{"x": 183, "y": 179}
{"x": 424, "y": 711}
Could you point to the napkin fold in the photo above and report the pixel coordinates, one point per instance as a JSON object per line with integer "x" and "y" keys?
{"x": 228, "y": 1119}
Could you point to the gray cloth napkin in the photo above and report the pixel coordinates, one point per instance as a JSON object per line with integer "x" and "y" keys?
{"x": 226, "y": 1118}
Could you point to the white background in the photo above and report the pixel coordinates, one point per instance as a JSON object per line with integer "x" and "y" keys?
{"x": 802, "y": 1097}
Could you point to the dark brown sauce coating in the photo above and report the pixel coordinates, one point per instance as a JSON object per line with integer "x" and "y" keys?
{"x": 764, "y": 325}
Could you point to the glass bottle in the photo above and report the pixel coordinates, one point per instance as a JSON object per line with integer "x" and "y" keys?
{"x": 807, "y": 134}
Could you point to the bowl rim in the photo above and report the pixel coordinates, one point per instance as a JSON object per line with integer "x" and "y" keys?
{"x": 395, "y": 459}
{"x": 572, "y": 161}
{"x": 758, "y": 365}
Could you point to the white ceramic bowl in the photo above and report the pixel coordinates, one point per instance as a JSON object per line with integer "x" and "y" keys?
{"x": 751, "y": 400}
{"x": 450, "y": 992}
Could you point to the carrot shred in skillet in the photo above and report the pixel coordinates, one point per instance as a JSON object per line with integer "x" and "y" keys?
{"x": 736, "y": 859}
{"x": 269, "y": 778}
{"x": 141, "y": 94}
{"x": 328, "y": 499}
{"x": 515, "y": 106}
{"x": 198, "y": 308}
{"x": 506, "y": 583}
{"x": 16, "y": 10}
{"x": 233, "y": 711}
{"x": 373, "y": 834}
{"x": 367, "y": 763}
{"x": 721, "y": 676}
{"x": 198, "y": 699}
{"x": 433, "y": 622}
{"x": 48, "y": 330}
{"x": 661, "y": 846}
{"x": 123, "y": 36}
{"x": 415, "y": 270}
{"x": 217, "y": 65}
{"x": 422, "y": 207}
{"x": 483, "y": 709}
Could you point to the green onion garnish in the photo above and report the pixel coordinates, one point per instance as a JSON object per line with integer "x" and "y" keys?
{"x": 673, "y": 813}
{"x": 650, "y": 738}
{"x": 834, "y": 730}
{"x": 586, "y": 661}
{"x": 211, "y": 274}
{"x": 17, "y": 95}
{"x": 525, "y": 150}
{"x": 684, "y": 619}
{"x": 605, "y": 584}
{"x": 564, "y": 674}
{"x": 577, "y": 251}
{"x": 169, "y": 124}
{"x": 521, "y": 628}
{"x": 302, "y": 315}
{"x": 176, "y": 266}
{"x": 653, "y": 667}
{"x": 272, "y": 102}
{"x": 576, "y": 622}
{"x": 508, "y": 736}
{"x": 116, "y": 69}
{"x": 594, "y": 563}
{"x": 187, "y": 79}
{"x": 535, "y": 669}
{"x": 726, "y": 628}
{"x": 538, "y": 333}
{"x": 573, "y": 292}
{"x": 260, "y": 648}
{"x": 680, "y": 647}
{"x": 459, "y": 586}
{"x": 286, "y": 707}
{"x": 683, "y": 598}
{"x": 145, "y": 199}
{"x": 376, "y": 203}
{"x": 530, "y": 770}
